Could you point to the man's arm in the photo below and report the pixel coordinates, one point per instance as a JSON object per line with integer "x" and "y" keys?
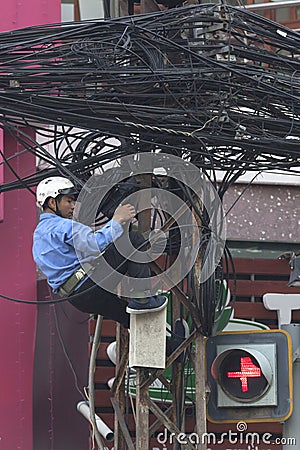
{"x": 88, "y": 242}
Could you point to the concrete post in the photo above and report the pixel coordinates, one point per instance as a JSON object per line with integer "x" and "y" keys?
{"x": 147, "y": 341}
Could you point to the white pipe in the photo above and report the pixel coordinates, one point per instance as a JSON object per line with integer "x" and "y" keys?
{"x": 107, "y": 433}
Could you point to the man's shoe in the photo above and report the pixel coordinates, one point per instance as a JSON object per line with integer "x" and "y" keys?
{"x": 152, "y": 304}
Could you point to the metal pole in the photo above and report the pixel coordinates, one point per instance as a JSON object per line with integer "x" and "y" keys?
{"x": 92, "y": 368}
{"x": 291, "y": 428}
{"x": 200, "y": 389}
{"x": 122, "y": 348}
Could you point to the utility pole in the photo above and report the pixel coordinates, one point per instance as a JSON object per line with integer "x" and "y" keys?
{"x": 176, "y": 424}
{"x": 142, "y": 395}
{"x": 199, "y": 360}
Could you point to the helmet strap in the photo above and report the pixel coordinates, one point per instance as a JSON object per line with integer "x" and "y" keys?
{"x": 57, "y": 212}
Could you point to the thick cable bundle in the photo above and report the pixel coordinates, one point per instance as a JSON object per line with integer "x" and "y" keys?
{"x": 216, "y": 81}
{"x": 214, "y": 84}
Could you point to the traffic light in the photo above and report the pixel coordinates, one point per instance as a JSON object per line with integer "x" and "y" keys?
{"x": 250, "y": 376}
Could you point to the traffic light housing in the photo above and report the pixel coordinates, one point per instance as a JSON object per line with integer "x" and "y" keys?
{"x": 250, "y": 376}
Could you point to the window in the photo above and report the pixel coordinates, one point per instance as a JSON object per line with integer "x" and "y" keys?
{"x": 67, "y": 10}
{"x": 282, "y": 14}
{"x": 81, "y": 10}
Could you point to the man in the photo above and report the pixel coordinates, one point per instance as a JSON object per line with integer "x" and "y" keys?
{"x": 58, "y": 239}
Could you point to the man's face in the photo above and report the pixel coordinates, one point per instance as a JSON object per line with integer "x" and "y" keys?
{"x": 66, "y": 206}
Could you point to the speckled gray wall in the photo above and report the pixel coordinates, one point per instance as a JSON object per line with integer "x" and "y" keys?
{"x": 263, "y": 213}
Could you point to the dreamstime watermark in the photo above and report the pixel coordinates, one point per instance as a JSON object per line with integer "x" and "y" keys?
{"x": 200, "y": 191}
{"x": 233, "y": 438}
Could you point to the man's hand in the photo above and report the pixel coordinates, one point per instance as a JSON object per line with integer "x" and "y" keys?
{"x": 124, "y": 213}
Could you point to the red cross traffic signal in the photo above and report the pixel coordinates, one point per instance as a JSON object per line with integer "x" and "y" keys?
{"x": 245, "y": 383}
{"x": 247, "y": 370}
{"x": 244, "y": 374}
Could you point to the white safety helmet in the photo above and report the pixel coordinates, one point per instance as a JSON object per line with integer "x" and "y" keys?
{"x": 52, "y": 187}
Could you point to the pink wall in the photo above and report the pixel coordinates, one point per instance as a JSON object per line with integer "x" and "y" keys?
{"x": 1, "y": 176}
{"x": 17, "y": 274}
{"x": 24, "y": 13}
{"x": 17, "y": 322}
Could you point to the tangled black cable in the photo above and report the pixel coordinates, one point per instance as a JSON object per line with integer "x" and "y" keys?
{"x": 211, "y": 83}
{"x": 214, "y": 81}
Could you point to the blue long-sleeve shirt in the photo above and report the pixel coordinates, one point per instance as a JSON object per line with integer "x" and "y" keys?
{"x": 59, "y": 244}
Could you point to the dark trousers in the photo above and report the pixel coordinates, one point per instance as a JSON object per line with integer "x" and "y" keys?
{"x": 97, "y": 300}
